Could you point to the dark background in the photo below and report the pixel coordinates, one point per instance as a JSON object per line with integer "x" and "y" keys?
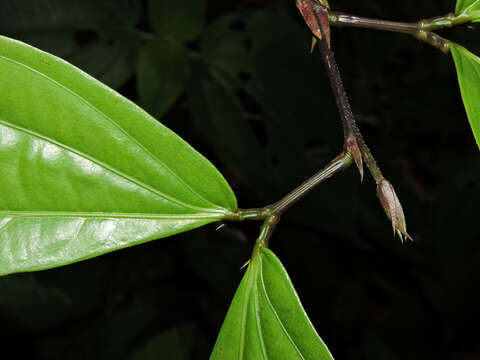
{"x": 237, "y": 82}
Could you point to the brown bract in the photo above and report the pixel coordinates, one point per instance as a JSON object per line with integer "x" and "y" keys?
{"x": 311, "y": 11}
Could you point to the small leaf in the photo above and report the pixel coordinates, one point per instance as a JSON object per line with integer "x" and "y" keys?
{"x": 470, "y": 8}
{"x": 266, "y": 319}
{"x": 468, "y": 72}
{"x": 181, "y": 19}
{"x": 162, "y": 70}
{"x": 85, "y": 171}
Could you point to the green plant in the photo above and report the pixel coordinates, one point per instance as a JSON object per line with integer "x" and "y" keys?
{"x": 128, "y": 179}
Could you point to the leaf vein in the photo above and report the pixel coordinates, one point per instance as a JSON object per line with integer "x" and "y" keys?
{"x": 258, "y": 324}
{"x": 272, "y": 308}
{"x": 104, "y": 166}
{"x": 106, "y": 215}
{"x": 109, "y": 119}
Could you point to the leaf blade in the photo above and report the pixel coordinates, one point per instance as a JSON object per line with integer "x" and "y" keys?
{"x": 274, "y": 324}
{"x": 72, "y": 147}
{"x": 468, "y": 73}
{"x": 470, "y": 8}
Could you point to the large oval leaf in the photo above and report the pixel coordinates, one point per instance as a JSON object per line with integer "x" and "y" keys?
{"x": 266, "y": 319}
{"x": 468, "y": 72}
{"x": 469, "y": 8}
{"x": 85, "y": 171}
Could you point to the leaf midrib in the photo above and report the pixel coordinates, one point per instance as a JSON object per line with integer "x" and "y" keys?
{"x": 277, "y": 317}
{"x": 108, "y": 168}
{"x": 99, "y": 215}
{"x": 109, "y": 119}
{"x": 470, "y": 6}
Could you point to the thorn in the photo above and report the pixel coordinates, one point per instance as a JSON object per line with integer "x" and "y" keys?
{"x": 244, "y": 265}
{"x": 219, "y": 227}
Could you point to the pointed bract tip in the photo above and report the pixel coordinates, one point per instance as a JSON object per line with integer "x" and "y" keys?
{"x": 354, "y": 150}
{"x": 393, "y": 209}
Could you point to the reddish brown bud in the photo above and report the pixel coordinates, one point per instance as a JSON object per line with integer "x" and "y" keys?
{"x": 393, "y": 209}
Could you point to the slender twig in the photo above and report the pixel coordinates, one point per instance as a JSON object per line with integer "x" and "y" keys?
{"x": 342, "y": 19}
{"x": 316, "y": 17}
{"x": 267, "y": 229}
{"x": 422, "y": 30}
{"x": 271, "y": 214}
{"x": 337, "y": 165}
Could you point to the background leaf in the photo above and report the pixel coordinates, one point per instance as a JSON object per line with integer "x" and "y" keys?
{"x": 468, "y": 71}
{"x": 468, "y": 8}
{"x": 99, "y": 38}
{"x": 266, "y": 319}
{"x": 86, "y": 171}
{"x": 180, "y": 19}
{"x": 162, "y": 70}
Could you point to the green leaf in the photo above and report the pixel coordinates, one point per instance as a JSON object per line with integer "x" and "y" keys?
{"x": 162, "y": 70}
{"x": 85, "y": 171}
{"x": 468, "y": 72}
{"x": 181, "y": 19}
{"x": 470, "y": 8}
{"x": 266, "y": 319}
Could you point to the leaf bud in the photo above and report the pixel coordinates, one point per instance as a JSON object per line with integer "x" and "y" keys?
{"x": 392, "y": 207}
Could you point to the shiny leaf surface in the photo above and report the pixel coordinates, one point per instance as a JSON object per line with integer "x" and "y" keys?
{"x": 469, "y": 8}
{"x": 468, "y": 71}
{"x": 85, "y": 171}
{"x": 266, "y": 319}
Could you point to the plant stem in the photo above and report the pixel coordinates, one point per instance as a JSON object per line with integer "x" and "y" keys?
{"x": 338, "y": 164}
{"x": 342, "y": 19}
{"x": 334, "y": 167}
{"x": 266, "y": 231}
{"x": 422, "y": 30}
{"x": 351, "y": 132}
{"x": 249, "y": 214}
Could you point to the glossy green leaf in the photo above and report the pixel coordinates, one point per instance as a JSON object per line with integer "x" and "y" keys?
{"x": 468, "y": 72}
{"x": 266, "y": 319}
{"x": 85, "y": 171}
{"x": 162, "y": 70}
{"x": 181, "y": 19}
{"x": 470, "y": 8}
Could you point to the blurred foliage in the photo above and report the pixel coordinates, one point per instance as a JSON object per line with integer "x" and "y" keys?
{"x": 236, "y": 80}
